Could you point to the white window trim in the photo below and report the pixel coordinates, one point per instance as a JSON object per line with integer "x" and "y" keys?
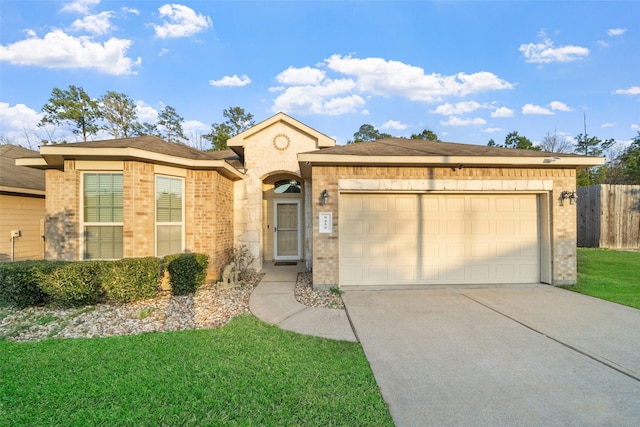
{"x": 83, "y": 224}
{"x": 155, "y": 212}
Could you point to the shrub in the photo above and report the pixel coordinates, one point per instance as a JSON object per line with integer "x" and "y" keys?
{"x": 74, "y": 284}
{"x": 242, "y": 259}
{"x": 187, "y": 272}
{"x": 20, "y": 282}
{"x": 131, "y": 279}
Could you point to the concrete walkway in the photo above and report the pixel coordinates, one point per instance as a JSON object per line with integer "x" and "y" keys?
{"x": 527, "y": 356}
{"x": 273, "y": 301}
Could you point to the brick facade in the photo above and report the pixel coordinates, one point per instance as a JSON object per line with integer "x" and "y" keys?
{"x": 562, "y": 223}
{"x": 208, "y": 213}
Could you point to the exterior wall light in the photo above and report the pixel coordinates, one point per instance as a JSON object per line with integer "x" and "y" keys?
{"x": 324, "y": 197}
{"x": 571, "y": 195}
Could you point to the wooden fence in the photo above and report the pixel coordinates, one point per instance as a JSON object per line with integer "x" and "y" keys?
{"x": 609, "y": 216}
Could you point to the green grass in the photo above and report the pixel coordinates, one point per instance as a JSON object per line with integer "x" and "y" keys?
{"x": 609, "y": 275}
{"x": 247, "y": 373}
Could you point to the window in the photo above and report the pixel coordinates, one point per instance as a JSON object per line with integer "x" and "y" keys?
{"x": 287, "y": 186}
{"x": 102, "y": 215}
{"x": 169, "y": 224}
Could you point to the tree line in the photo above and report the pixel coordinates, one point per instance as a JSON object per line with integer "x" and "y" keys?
{"x": 622, "y": 167}
{"x": 117, "y": 115}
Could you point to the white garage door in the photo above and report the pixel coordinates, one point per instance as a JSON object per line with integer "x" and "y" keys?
{"x": 423, "y": 239}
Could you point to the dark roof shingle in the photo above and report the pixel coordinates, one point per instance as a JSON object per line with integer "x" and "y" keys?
{"x": 19, "y": 176}
{"x": 410, "y": 147}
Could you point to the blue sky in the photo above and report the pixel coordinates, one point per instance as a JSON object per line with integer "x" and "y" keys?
{"x": 470, "y": 71}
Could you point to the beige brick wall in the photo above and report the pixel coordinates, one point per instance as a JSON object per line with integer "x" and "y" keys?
{"x": 208, "y": 215}
{"x": 139, "y": 210}
{"x": 62, "y": 213}
{"x": 563, "y": 218}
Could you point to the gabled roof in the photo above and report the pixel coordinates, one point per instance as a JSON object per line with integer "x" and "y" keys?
{"x": 146, "y": 148}
{"x": 19, "y": 179}
{"x": 237, "y": 143}
{"x": 400, "y": 151}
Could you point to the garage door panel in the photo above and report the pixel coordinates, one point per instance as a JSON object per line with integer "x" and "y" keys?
{"x": 352, "y": 227}
{"x": 414, "y": 239}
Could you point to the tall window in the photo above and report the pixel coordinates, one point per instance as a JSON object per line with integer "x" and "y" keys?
{"x": 169, "y": 223}
{"x": 102, "y": 215}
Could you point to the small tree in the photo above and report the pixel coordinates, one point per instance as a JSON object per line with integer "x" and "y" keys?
{"x": 172, "y": 123}
{"x": 554, "y": 143}
{"x": 592, "y": 146}
{"x": 513, "y": 140}
{"x": 75, "y": 107}
{"x": 425, "y": 135}
{"x": 237, "y": 121}
{"x": 367, "y": 132}
{"x": 629, "y": 161}
{"x": 120, "y": 113}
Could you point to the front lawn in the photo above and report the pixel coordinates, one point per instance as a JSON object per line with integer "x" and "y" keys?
{"x": 609, "y": 275}
{"x": 247, "y": 373}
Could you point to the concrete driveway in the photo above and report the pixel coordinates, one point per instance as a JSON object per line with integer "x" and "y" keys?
{"x": 522, "y": 355}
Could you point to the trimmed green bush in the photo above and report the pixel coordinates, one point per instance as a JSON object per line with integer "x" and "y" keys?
{"x": 20, "y": 282}
{"x": 131, "y": 279}
{"x": 74, "y": 284}
{"x": 187, "y": 272}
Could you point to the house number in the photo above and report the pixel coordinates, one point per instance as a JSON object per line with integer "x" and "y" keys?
{"x": 326, "y": 222}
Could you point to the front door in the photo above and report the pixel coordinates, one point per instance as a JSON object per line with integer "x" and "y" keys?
{"x": 287, "y": 230}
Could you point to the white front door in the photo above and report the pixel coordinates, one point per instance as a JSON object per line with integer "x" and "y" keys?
{"x": 287, "y": 230}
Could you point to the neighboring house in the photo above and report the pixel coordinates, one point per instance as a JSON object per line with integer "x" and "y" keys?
{"x": 22, "y": 206}
{"x": 393, "y": 213}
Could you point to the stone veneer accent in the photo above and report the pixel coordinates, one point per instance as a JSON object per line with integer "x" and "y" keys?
{"x": 208, "y": 215}
{"x": 337, "y": 179}
{"x": 263, "y": 159}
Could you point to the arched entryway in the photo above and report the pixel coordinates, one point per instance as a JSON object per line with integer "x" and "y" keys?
{"x": 283, "y": 224}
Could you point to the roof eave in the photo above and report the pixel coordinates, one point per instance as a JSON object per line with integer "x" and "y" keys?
{"x": 54, "y": 156}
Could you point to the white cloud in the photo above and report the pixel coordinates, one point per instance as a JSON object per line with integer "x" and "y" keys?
{"x": 19, "y": 123}
{"x": 301, "y": 76}
{"x": 232, "y": 81}
{"x": 80, "y": 6}
{"x": 163, "y": 52}
{"x": 616, "y": 31}
{"x": 502, "y": 112}
{"x": 603, "y": 43}
{"x": 492, "y": 130}
{"x": 59, "y": 50}
{"x": 535, "y": 109}
{"x": 607, "y": 125}
{"x": 181, "y": 21}
{"x": 323, "y": 98}
{"x": 545, "y": 52}
{"x": 342, "y": 105}
{"x": 458, "y": 108}
{"x": 99, "y": 24}
{"x": 146, "y": 113}
{"x": 394, "y": 78}
{"x": 311, "y": 90}
{"x": 195, "y": 127}
{"x": 559, "y": 106}
{"x": 633, "y": 90}
{"x": 130, "y": 10}
{"x": 635, "y": 127}
{"x": 393, "y": 124}
{"x": 457, "y": 121}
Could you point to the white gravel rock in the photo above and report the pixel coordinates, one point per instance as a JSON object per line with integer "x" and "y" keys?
{"x": 210, "y": 307}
